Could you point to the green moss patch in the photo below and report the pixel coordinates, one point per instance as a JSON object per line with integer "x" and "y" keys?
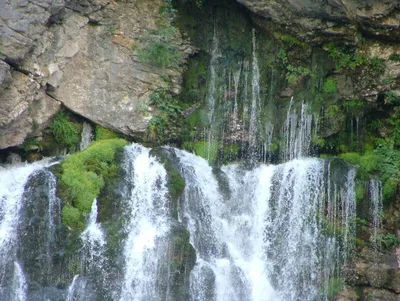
{"x": 104, "y": 134}
{"x": 83, "y": 176}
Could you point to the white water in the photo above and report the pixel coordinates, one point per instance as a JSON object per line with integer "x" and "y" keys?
{"x": 262, "y": 240}
{"x": 12, "y": 183}
{"x": 19, "y": 284}
{"x": 255, "y": 100}
{"x": 94, "y": 242}
{"x": 71, "y": 289}
{"x": 297, "y": 132}
{"x": 86, "y": 136}
{"x": 147, "y": 214}
{"x": 375, "y": 194}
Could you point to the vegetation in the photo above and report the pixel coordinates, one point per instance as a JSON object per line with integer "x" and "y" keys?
{"x": 83, "y": 176}
{"x": 207, "y": 150}
{"x": 104, "y": 134}
{"x": 329, "y": 86}
{"x": 293, "y": 72}
{"x": 387, "y": 241}
{"x": 289, "y": 40}
{"x": 395, "y": 57}
{"x": 343, "y": 59}
{"x": 157, "y": 49}
{"x": 64, "y": 131}
{"x": 165, "y": 127}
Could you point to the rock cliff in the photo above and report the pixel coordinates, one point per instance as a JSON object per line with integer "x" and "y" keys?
{"x": 83, "y": 55}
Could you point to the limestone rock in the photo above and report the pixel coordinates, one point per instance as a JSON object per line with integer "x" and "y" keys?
{"x": 87, "y": 60}
{"x": 315, "y": 19}
{"x": 25, "y": 108}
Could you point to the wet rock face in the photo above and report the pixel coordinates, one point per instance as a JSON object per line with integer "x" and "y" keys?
{"x": 84, "y": 55}
{"x": 323, "y": 19}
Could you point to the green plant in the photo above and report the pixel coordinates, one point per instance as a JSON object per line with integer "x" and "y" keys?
{"x": 378, "y": 64}
{"x": 165, "y": 126}
{"x": 293, "y": 72}
{"x": 332, "y": 111}
{"x": 64, "y": 131}
{"x": 345, "y": 60}
{"x": 387, "y": 241}
{"x": 158, "y": 49}
{"x": 329, "y": 86}
{"x": 392, "y": 98}
{"x": 395, "y": 57}
{"x": 31, "y": 143}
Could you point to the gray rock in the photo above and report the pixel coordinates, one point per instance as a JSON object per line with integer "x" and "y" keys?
{"x": 25, "y": 108}
{"x": 315, "y": 19}
{"x": 90, "y": 70}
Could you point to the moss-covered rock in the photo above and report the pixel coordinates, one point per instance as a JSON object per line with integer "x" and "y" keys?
{"x": 83, "y": 175}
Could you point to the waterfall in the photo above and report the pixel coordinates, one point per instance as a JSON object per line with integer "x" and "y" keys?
{"x": 255, "y": 102}
{"x": 263, "y": 238}
{"x": 297, "y": 132}
{"x": 147, "y": 227}
{"x": 71, "y": 289}
{"x": 375, "y": 194}
{"x": 86, "y": 136}
{"x": 12, "y": 185}
{"x": 94, "y": 242}
{"x": 19, "y": 284}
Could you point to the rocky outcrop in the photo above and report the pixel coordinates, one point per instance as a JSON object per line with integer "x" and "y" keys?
{"x": 321, "y": 20}
{"x": 84, "y": 54}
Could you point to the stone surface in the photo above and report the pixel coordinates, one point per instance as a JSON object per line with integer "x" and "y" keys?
{"x": 25, "y": 108}
{"x": 315, "y": 19}
{"x": 83, "y": 54}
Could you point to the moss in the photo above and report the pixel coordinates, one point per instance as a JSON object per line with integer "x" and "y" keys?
{"x": 72, "y": 217}
{"x": 289, "y": 40}
{"x": 367, "y": 162}
{"x": 181, "y": 261}
{"x": 360, "y": 191}
{"x": 104, "y": 134}
{"x": 207, "y": 150}
{"x": 176, "y": 183}
{"x": 83, "y": 176}
{"x": 230, "y": 153}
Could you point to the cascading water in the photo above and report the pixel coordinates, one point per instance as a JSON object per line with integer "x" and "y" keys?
{"x": 12, "y": 185}
{"x": 147, "y": 228}
{"x": 94, "y": 241}
{"x": 263, "y": 238}
{"x": 255, "y": 101}
{"x": 375, "y": 195}
{"x": 86, "y": 136}
{"x": 297, "y": 132}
